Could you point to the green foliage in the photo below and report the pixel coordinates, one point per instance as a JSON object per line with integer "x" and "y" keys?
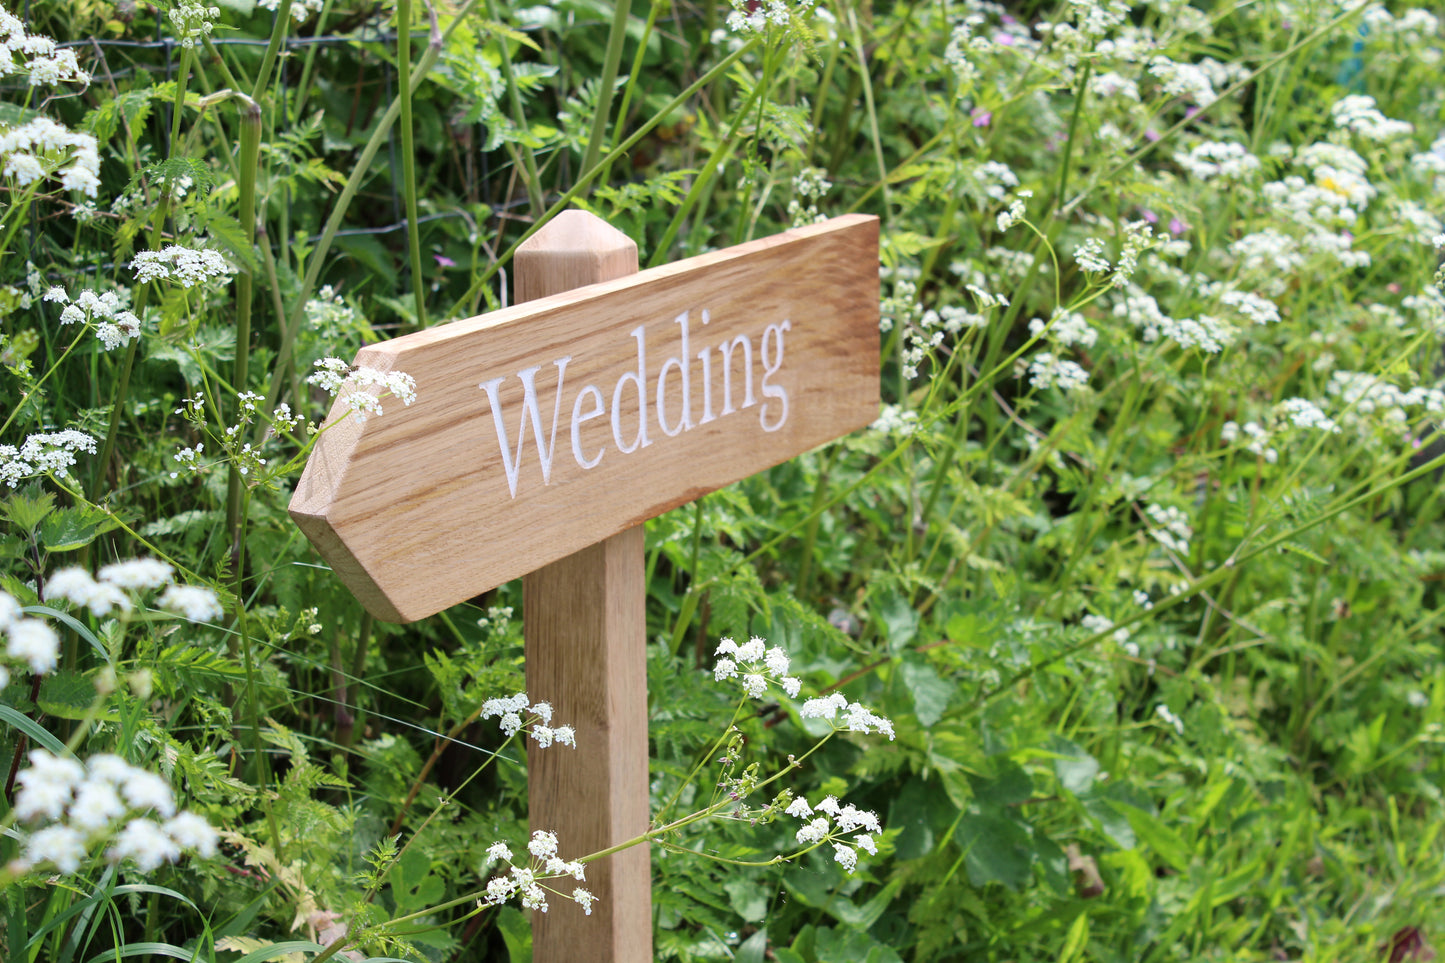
{"x": 1157, "y": 633}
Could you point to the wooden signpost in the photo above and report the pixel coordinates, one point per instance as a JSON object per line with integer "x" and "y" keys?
{"x": 544, "y": 435}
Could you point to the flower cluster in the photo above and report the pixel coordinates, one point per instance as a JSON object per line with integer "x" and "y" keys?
{"x": 115, "y": 325}
{"x": 1368, "y": 400}
{"x": 42, "y": 60}
{"x": 47, "y": 453}
{"x": 516, "y": 713}
{"x": 361, "y": 388}
{"x": 527, "y": 881}
{"x": 42, "y": 148}
{"x": 80, "y": 808}
{"x": 106, "y": 592}
{"x": 755, "y": 16}
{"x": 300, "y": 9}
{"x": 855, "y": 717}
{"x": 753, "y": 663}
{"x": 183, "y": 265}
{"x": 1171, "y": 527}
{"x": 1359, "y": 114}
{"x": 828, "y": 822}
{"x": 31, "y": 641}
{"x": 1048, "y": 371}
{"x": 193, "y": 20}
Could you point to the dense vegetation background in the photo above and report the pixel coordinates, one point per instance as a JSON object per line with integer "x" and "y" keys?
{"x": 1142, "y": 559}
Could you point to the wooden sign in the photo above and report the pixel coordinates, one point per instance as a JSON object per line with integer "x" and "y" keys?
{"x": 547, "y": 427}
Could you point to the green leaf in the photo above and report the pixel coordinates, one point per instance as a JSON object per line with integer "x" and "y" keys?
{"x": 1077, "y": 939}
{"x": 32, "y": 729}
{"x": 997, "y": 849}
{"x": 161, "y": 949}
{"x": 753, "y": 948}
{"x": 1165, "y": 842}
{"x": 68, "y": 529}
{"x": 900, "y": 620}
{"x": 516, "y": 933}
{"x": 66, "y": 694}
{"x": 863, "y": 917}
{"x": 412, "y": 884}
{"x": 748, "y": 898}
{"x": 1075, "y": 768}
{"x": 930, "y": 692}
{"x": 28, "y": 507}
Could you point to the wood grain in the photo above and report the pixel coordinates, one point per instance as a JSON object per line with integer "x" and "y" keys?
{"x": 585, "y": 622}
{"x": 415, "y": 510}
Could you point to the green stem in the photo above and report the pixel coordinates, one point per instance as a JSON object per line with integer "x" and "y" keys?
{"x": 268, "y": 60}
{"x": 519, "y": 119}
{"x": 245, "y": 281}
{"x": 607, "y": 82}
{"x": 631, "y": 85}
{"x": 408, "y": 157}
{"x": 343, "y": 202}
{"x": 588, "y": 176}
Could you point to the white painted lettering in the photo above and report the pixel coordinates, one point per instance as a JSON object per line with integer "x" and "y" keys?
{"x": 529, "y": 410}
{"x": 640, "y": 440}
{"x": 578, "y": 417}
{"x": 770, "y": 368}
{"x": 726, "y": 351}
{"x": 683, "y": 363}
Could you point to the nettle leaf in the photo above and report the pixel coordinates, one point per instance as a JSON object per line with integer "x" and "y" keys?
{"x": 132, "y": 107}
{"x": 997, "y": 849}
{"x": 68, "y": 529}
{"x": 930, "y": 691}
{"x": 899, "y": 618}
{"x": 66, "y": 695}
{"x": 1075, "y": 768}
{"x": 27, "y": 508}
{"x": 413, "y": 885}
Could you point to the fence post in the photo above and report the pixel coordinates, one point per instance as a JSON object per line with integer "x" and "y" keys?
{"x": 584, "y": 622}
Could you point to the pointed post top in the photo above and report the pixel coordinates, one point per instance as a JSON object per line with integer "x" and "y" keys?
{"x": 577, "y": 249}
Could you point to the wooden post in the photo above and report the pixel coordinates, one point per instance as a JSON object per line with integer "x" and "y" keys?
{"x": 584, "y": 621}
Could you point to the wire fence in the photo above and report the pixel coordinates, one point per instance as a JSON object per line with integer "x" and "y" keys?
{"x": 369, "y": 32}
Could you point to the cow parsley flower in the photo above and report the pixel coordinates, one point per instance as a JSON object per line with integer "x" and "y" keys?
{"x": 185, "y": 266}
{"x": 756, "y": 666}
{"x": 829, "y": 821}
{"x": 530, "y": 881}
{"x": 361, "y": 388}
{"x": 82, "y": 807}
{"x": 47, "y": 453}
{"x": 517, "y": 712}
{"x": 193, "y": 602}
{"x": 35, "y": 643}
{"x": 1171, "y": 527}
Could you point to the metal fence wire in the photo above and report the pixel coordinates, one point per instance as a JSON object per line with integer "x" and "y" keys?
{"x": 369, "y": 31}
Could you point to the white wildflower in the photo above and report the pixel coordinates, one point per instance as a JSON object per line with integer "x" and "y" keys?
{"x": 192, "y": 602}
